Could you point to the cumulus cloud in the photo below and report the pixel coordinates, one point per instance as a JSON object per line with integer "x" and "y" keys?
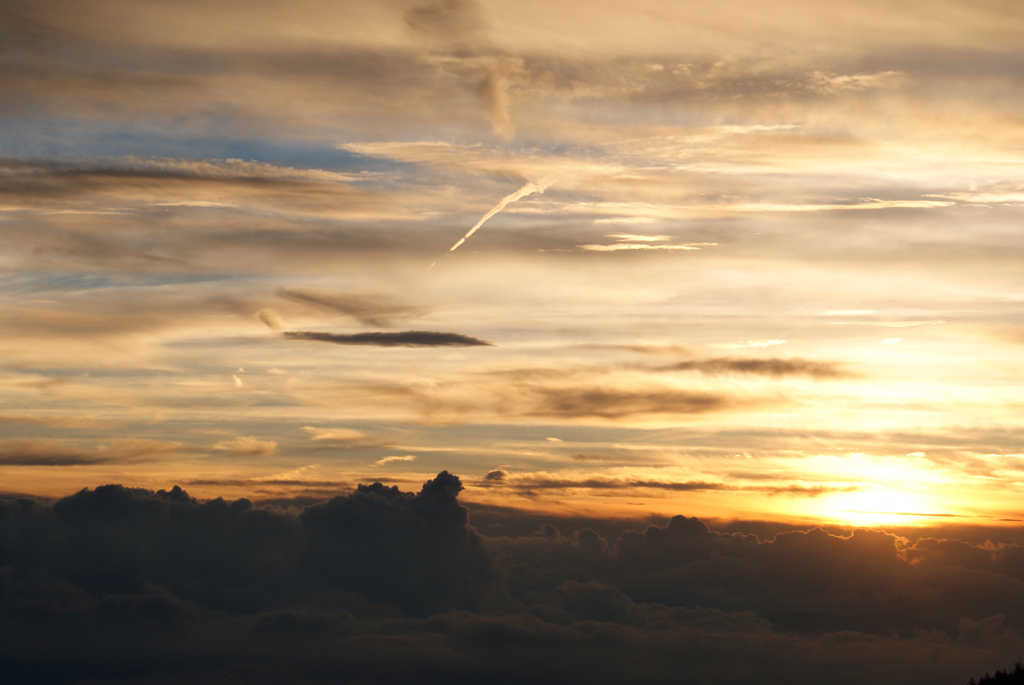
{"x": 402, "y": 339}
{"x": 394, "y": 585}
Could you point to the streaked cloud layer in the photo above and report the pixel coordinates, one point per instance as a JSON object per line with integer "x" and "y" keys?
{"x": 742, "y": 260}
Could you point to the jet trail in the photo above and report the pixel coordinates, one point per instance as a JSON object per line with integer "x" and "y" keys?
{"x": 528, "y": 189}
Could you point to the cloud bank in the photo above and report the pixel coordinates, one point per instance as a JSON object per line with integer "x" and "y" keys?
{"x": 127, "y": 585}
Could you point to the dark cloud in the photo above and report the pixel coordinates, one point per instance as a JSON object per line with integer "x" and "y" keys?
{"x": 164, "y": 187}
{"x": 15, "y": 458}
{"x": 615, "y": 403}
{"x": 763, "y": 367}
{"x": 46, "y": 452}
{"x": 401, "y": 339}
{"x": 532, "y": 483}
{"x": 126, "y": 585}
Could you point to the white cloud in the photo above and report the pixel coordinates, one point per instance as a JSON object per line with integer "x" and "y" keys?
{"x": 388, "y": 460}
{"x": 616, "y": 247}
{"x": 246, "y": 446}
{"x": 634, "y": 238}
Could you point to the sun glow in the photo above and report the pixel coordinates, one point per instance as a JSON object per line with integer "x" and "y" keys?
{"x": 880, "y": 505}
{"x": 880, "y": 490}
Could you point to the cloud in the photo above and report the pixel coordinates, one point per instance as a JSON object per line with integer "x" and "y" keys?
{"x": 618, "y": 403}
{"x": 56, "y": 452}
{"x": 388, "y": 460}
{"x": 246, "y": 446}
{"x": 271, "y": 318}
{"x": 120, "y": 187}
{"x": 82, "y": 422}
{"x": 617, "y": 247}
{"x": 531, "y": 482}
{"x": 659, "y": 349}
{"x": 838, "y": 83}
{"x": 749, "y": 343}
{"x": 402, "y": 339}
{"x": 455, "y": 21}
{"x": 344, "y": 438}
{"x": 776, "y": 368}
{"x": 456, "y": 31}
{"x": 386, "y": 584}
{"x": 367, "y": 310}
{"x": 630, "y": 241}
{"x": 595, "y": 457}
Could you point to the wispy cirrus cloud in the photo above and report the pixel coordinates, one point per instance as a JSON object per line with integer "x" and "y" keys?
{"x": 389, "y": 460}
{"x": 371, "y": 310}
{"x": 61, "y": 452}
{"x": 247, "y": 446}
{"x": 344, "y": 438}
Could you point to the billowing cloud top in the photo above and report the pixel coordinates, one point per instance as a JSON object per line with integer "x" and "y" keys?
{"x": 392, "y": 585}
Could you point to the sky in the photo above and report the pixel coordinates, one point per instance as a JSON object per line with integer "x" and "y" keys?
{"x": 752, "y": 260}
{"x": 581, "y": 267}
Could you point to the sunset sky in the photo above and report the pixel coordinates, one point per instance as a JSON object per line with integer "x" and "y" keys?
{"x": 755, "y": 260}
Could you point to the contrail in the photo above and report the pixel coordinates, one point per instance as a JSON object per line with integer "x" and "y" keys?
{"x": 528, "y": 189}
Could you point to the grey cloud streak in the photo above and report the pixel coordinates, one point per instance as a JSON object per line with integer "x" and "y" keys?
{"x": 776, "y": 368}
{"x": 130, "y": 184}
{"x": 615, "y": 403}
{"x": 530, "y": 483}
{"x": 398, "y": 339}
{"x": 366, "y": 309}
{"x": 50, "y": 452}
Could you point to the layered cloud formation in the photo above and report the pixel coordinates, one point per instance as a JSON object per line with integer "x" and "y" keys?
{"x": 758, "y": 263}
{"x": 380, "y": 585}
